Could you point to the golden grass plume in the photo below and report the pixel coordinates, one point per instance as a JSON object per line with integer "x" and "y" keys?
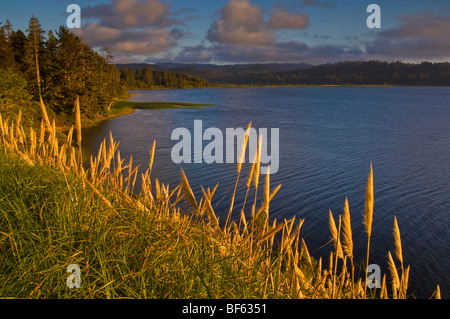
{"x": 347, "y": 242}
{"x": 278, "y": 263}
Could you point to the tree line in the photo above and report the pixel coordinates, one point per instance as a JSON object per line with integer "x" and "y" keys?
{"x": 342, "y": 73}
{"x": 56, "y": 67}
{"x": 372, "y": 73}
{"x": 146, "y": 78}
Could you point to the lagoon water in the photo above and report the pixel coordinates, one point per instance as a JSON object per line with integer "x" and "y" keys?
{"x": 328, "y": 138}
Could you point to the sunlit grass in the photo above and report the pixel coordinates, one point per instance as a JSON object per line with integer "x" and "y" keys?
{"x": 160, "y": 241}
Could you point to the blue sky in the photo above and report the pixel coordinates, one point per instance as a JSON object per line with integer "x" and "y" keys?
{"x": 250, "y": 31}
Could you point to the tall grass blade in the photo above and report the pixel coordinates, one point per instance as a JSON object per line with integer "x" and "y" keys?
{"x": 368, "y": 217}
{"x": 437, "y": 293}
{"x": 398, "y": 242}
{"x": 211, "y": 214}
{"x": 44, "y": 112}
{"x": 335, "y": 235}
{"x": 239, "y": 167}
{"x": 188, "y": 193}
{"x": 347, "y": 242}
{"x": 152, "y": 157}
{"x": 78, "y": 127}
{"x": 394, "y": 275}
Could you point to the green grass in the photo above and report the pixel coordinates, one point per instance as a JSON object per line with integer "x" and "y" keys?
{"x": 123, "y": 107}
{"x": 48, "y": 221}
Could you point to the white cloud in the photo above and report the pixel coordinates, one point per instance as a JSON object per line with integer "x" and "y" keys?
{"x": 241, "y": 23}
{"x": 131, "y": 27}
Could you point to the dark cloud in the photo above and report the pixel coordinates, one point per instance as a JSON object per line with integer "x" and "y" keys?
{"x": 321, "y": 36}
{"x": 132, "y": 14}
{"x": 281, "y": 19}
{"x": 177, "y": 33}
{"x": 282, "y": 52}
{"x": 422, "y": 36}
{"x": 194, "y": 54}
{"x": 243, "y": 54}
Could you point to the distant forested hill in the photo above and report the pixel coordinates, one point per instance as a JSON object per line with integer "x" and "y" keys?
{"x": 343, "y": 73}
{"x": 367, "y": 73}
{"x": 234, "y": 74}
{"x": 144, "y": 77}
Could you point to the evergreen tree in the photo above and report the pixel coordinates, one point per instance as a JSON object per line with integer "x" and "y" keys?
{"x": 6, "y": 54}
{"x": 17, "y": 39}
{"x": 51, "y": 73}
{"x": 34, "y": 46}
{"x": 59, "y": 67}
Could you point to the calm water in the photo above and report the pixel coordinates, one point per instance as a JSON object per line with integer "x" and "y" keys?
{"x": 328, "y": 137}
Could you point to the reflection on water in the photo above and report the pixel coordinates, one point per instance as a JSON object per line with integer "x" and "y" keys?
{"x": 328, "y": 137}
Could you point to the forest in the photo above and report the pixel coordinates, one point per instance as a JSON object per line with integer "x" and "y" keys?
{"x": 366, "y": 73}
{"x": 341, "y": 73}
{"x": 57, "y": 66}
{"x": 146, "y": 78}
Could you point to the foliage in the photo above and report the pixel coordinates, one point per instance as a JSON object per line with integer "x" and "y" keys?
{"x": 58, "y": 67}
{"x": 13, "y": 88}
{"x": 342, "y": 73}
{"x": 372, "y": 73}
{"x": 146, "y": 78}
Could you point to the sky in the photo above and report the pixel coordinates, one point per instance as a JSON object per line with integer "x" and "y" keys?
{"x": 249, "y": 31}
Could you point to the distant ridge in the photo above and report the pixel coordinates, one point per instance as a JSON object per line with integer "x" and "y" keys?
{"x": 171, "y": 66}
{"x": 341, "y": 73}
{"x": 221, "y": 74}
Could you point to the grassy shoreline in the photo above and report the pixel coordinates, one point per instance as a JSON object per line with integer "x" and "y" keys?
{"x": 123, "y": 251}
{"x": 159, "y": 242}
{"x": 123, "y": 106}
